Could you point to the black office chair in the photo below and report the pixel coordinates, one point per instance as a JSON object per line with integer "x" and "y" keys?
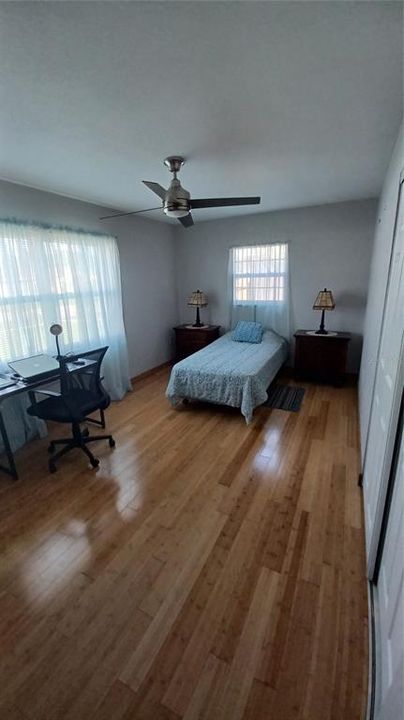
{"x": 81, "y": 394}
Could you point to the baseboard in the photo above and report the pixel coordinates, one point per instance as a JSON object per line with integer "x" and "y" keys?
{"x": 152, "y": 371}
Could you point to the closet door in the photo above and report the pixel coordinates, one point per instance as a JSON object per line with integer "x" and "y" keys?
{"x": 386, "y": 395}
{"x": 390, "y": 608}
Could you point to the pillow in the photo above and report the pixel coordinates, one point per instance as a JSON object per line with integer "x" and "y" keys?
{"x": 250, "y": 332}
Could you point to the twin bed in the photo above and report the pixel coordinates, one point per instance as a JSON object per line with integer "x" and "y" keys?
{"x": 229, "y": 372}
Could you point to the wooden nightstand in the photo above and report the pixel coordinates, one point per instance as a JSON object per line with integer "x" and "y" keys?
{"x": 321, "y": 357}
{"x": 190, "y": 339}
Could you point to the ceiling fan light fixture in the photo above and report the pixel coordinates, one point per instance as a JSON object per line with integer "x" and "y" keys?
{"x": 176, "y": 212}
{"x": 177, "y": 199}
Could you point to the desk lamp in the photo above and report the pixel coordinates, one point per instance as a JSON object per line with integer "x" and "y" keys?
{"x": 56, "y": 330}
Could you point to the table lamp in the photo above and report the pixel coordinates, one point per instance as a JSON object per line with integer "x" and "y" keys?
{"x": 56, "y": 330}
{"x": 324, "y": 301}
{"x": 198, "y": 299}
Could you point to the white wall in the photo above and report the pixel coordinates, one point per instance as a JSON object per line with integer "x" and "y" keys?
{"x": 161, "y": 264}
{"x": 147, "y": 266}
{"x": 383, "y": 238}
{"x": 329, "y": 246}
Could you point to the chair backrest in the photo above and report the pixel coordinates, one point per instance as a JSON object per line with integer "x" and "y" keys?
{"x": 86, "y": 377}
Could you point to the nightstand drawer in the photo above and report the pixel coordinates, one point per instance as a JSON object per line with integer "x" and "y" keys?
{"x": 321, "y": 358}
{"x": 187, "y": 347}
{"x": 189, "y": 340}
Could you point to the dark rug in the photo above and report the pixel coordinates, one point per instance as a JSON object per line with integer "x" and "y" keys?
{"x": 285, "y": 397}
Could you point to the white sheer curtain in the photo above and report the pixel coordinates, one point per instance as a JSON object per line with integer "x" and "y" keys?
{"x": 258, "y": 286}
{"x": 50, "y": 274}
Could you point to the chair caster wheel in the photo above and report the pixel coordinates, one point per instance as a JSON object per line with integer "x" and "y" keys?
{"x": 95, "y": 462}
{"x": 111, "y": 442}
{"x": 52, "y": 467}
{"x": 51, "y": 448}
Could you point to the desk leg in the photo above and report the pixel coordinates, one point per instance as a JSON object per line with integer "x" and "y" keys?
{"x": 11, "y": 469}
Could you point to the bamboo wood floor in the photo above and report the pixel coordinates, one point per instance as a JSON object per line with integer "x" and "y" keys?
{"x": 208, "y": 570}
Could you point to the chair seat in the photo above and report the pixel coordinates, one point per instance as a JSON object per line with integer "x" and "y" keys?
{"x": 81, "y": 402}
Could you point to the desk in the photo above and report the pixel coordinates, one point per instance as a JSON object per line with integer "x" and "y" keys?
{"x": 17, "y": 389}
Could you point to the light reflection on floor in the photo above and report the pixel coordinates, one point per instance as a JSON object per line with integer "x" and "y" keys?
{"x": 52, "y": 565}
{"x": 271, "y": 449}
{"x": 73, "y": 545}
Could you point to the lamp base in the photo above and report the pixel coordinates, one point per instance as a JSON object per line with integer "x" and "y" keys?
{"x": 198, "y": 324}
{"x": 322, "y": 330}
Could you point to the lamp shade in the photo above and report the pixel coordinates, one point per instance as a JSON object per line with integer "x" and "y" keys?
{"x": 198, "y": 299}
{"x": 324, "y": 300}
{"x": 56, "y": 329}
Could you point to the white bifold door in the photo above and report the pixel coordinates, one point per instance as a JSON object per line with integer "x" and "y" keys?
{"x": 389, "y": 607}
{"x": 386, "y": 395}
{"x": 383, "y": 491}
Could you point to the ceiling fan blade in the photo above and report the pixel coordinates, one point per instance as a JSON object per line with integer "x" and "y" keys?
{"x": 156, "y": 188}
{"x": 187, "y": 220}
{"x": 222, "y": 202}
{"x": 135, "y": 212}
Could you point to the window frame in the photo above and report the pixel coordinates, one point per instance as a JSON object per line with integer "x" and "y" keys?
{"x": 256, "y": 302}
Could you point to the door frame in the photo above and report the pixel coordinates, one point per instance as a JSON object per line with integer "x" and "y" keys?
{"x": 373, "y": 589}
{"x": 373, "y": 542}
{"x": 399, "y": 190}
{"x": 390, "y": 486}
{"x": 381, "y": 507}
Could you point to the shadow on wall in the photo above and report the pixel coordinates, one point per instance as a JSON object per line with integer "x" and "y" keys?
{"x": 213, "y": 302}
{"x": 355, "y": 353}
{"x": 350, "y": 301}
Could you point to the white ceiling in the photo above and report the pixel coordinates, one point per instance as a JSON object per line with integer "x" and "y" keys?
{"x": 298, "y": 102}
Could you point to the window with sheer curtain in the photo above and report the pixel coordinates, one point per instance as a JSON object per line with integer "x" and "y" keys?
{"x": 50, "y": 274}
{"x": 259, "y": 274}
{"x": 259, "y": 285}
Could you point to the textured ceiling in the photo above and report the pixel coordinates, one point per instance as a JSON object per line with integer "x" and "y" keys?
{"x": 298, "y": 102}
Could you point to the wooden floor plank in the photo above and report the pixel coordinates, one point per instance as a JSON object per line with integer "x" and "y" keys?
{"x": 137, "y": 667}
{"x": 208, "y": 570}
{"x": 183, "y": 683}
{"x": 243, "y": 668}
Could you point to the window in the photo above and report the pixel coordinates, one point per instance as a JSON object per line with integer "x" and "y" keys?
{"x": 259, "y": 274}
{"x": 49, "y": 275}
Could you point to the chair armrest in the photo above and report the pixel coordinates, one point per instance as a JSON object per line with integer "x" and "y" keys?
{"x": 51, "y": 393}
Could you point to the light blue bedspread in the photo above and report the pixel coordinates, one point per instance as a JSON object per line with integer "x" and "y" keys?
{"x": 229, "y": 372}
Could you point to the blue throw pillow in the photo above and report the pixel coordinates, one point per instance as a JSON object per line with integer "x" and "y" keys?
{"x": 250, "y": 332}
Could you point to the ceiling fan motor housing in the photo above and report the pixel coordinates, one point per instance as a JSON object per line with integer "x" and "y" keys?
{"x": 177, "y": 200}
{"x": 174, "y": 163}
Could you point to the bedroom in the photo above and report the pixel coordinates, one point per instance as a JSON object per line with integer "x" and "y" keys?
{"x": 207, "y": 567}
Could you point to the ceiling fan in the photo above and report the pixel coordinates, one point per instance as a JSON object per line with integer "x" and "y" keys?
{"x": 177, "y": 201}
